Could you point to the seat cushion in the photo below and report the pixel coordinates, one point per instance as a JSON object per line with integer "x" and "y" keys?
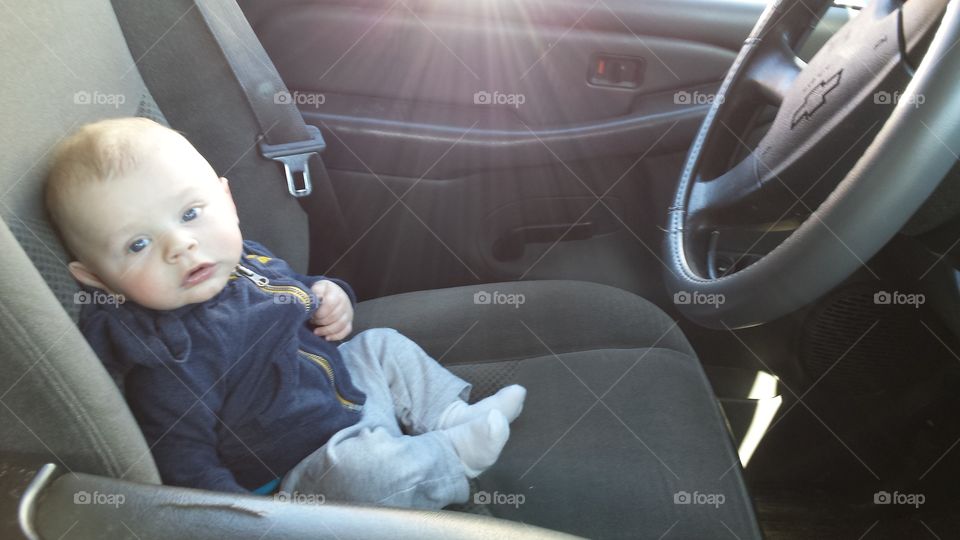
{"x": 611, "y": 443}
{"x": 619, "y": 418}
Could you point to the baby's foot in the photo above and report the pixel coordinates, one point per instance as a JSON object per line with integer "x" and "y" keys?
{"x": 478, "y": 443}
{"x": 509, "y": 401}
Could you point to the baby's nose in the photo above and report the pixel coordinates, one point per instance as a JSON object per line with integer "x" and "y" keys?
{"x": 178, "y": 244}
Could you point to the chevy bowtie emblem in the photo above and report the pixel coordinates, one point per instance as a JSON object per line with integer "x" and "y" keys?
{"x": 816, "y": 98}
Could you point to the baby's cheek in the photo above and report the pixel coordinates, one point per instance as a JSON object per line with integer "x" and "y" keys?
{"x": 146, "y": 289}
{"x": 140, "y": 295}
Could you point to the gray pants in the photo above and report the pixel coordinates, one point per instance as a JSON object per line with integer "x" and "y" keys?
{"x": 373, "y": 461}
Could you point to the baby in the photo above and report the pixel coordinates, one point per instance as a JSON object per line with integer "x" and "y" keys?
{"x": 230, "y": 360}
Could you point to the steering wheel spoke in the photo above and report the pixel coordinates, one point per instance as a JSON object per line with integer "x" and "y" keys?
{"x": 773, "y": 71}
{"x": 713, "y": 201}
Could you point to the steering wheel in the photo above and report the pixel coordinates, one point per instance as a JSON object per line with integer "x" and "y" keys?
{"x": 863, "y": 135}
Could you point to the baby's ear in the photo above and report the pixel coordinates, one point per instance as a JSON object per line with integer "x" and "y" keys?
{"x": 83, "y": 274}
{"x": 224, "y": 183}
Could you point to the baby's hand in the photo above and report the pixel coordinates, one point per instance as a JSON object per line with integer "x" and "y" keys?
{"x": 334, "y": 317}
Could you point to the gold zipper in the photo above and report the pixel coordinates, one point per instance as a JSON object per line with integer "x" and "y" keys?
{"x": 325, "y": 365}
{"x": 264, "y": 283}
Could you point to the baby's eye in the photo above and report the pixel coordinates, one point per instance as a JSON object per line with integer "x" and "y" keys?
{"x": 191, "y": 214}
{"x": 139, "y": 245}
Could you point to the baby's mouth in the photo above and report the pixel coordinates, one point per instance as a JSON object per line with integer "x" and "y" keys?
{"x": 199, "y": 274}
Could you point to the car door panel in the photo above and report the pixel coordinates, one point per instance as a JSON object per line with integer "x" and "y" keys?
{"x": 477, "y": 129}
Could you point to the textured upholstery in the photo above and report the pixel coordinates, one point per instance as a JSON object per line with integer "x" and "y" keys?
{"x": 655, "y": 431}
{"x": 606, "y": 441}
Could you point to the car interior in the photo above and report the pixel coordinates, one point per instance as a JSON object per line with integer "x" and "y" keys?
{"x": 716, "y": 240}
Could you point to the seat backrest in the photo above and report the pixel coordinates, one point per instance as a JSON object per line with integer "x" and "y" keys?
{"x": 64, "y": 64}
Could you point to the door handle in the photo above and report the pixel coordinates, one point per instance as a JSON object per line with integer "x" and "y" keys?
{"x": 510, "y": 245}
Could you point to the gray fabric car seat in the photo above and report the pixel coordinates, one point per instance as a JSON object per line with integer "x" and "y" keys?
{"x": 619, "y": 420}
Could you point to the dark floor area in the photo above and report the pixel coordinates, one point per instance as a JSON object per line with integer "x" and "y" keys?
{"x": 885, "y": 465}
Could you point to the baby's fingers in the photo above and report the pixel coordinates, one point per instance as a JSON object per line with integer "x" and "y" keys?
{"x": 321, "y": 313}
{"x": 334, "y": 315}
{"x": 335, "y": 331}
{"x": 342, "y": 333}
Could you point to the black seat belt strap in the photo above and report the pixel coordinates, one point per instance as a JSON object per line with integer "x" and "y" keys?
{"x": 283, "y": 137}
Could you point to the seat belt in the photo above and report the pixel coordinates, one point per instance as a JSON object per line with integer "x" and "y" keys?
{"x": 283, "y": 136}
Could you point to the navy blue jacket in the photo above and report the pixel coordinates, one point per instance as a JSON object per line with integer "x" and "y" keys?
{"x": 233, "y": 392}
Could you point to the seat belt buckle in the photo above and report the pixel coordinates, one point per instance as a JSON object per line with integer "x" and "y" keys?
{"x": 295, "y": 158}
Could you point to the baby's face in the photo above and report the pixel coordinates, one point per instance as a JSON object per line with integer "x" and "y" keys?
{"x": 165, "y": 235}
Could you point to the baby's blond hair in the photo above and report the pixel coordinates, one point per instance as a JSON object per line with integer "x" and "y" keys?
{"x": 97, "y": 152}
